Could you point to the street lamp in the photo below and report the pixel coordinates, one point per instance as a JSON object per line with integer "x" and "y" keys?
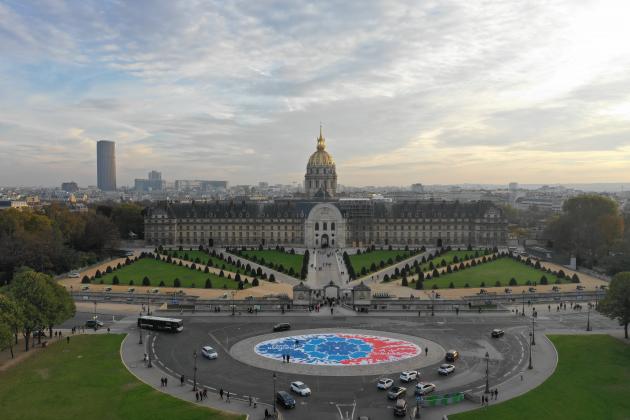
{"x": 149, "y": 351}
{"x": 274, "y": 393}
{"x": 195, "y": 370}
{"x": 530, "y": 352}
{"x": 533, "y": 331}
{"x": 523, "y": 310}
{"x": 140, "y": 331}
{"x": 588, "y": 318}
{"x": 233, "y": 293}
{"x": 433, "y": 303}
{"x": 148, "y": 304}
{"x": 487, "y": 373}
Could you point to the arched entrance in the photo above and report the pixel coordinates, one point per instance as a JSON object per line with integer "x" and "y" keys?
{"x": 325, "y": 227}
{"x": 324, "y": 241}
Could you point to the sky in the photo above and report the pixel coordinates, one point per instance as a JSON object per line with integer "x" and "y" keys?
{"x": 436, "y": 92}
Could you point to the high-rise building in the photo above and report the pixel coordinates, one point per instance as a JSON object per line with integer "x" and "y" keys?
{"x": 106, "y": 165}
{"x": 153, "y": 183}
{"x": 155, "y": 176}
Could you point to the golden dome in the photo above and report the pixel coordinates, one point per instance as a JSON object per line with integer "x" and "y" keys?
{"x": 321, "y": 157}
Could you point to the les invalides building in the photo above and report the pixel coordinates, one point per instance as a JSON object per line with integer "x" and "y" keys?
{"x": 321, "y": 219}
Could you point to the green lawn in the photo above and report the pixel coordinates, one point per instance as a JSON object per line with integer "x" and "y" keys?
{"x": 592, "y": 381}
{"x": 285, "y": 259}
{"x": 158, "y": 271}
{"x": 205, "y": 258}
{"x": 449, "y": 255}
{"x": 502, "y": 269}
{"x": 86, "y": 380}
{"x": 365, "y": 260}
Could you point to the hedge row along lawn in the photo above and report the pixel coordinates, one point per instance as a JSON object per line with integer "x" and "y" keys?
{"x": 276, "y": 257}
{"x": 449, "y": 256}
{"x": 366, "y": 259}
{"x": 158, "y": 271}
{"x": 592, "y": 381}
{"x": 204, "y": 258}
{"x": 501, "y": 270}
{"x": 87, "y": 380}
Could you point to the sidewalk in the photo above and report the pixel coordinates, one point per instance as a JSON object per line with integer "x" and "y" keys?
{"x": 132, "y": 355}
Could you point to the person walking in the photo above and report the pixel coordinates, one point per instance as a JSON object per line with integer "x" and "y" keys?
{"x": 205, "y": 393}
{"x": 197, "y": 396}
{"x": 266, "y": 414}
{"x": 68, "y": 339}
{"x": 250, "y": 400}
{"x": 161, "y": 382}
{"x": 221, "y": 393}
{"x": 165, "y": 381}
{"x": 181, "y": 380}
{"x": 227, "y": 397}
{"x": 496, "y": 393}
{"x": 426, "y": 351}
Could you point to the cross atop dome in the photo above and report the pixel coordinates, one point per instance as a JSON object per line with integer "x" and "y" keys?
{"x": 321, "y": 141}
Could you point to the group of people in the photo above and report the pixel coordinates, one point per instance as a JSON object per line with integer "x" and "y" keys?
{"x": 227, "y": 395}
{"x": 202, "y": 395}
{"x": 163, "y": 381}
{"x": 494, "y": 395}
{"x": 286, "y": 358}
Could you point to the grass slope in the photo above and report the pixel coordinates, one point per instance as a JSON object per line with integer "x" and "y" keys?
{"x": 277, "y": 257}
{"x": 592, "y": 381}
{"x": 86, "y": 380}
{"x": 158, "y": 271}
{"x": 502, "y": 269}
{"x": 366, "y": 259}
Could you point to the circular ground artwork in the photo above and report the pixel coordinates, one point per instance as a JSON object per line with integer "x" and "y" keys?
{"x": 338, "y": 349}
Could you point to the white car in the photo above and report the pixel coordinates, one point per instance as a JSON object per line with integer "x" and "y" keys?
{"x": 446, "y": 369}
{"x": 424, "y": 388}
{"x": 209, "y": 353}
{"x": 85, "y": 287}
{"x": 409, "y": 375}
{"x": 74, "y": 275}
{"x": 384, "y": 383}
{"x": 300, "y": 388}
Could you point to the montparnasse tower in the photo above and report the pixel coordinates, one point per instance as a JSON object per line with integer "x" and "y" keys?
{"x": 320, "y": 180}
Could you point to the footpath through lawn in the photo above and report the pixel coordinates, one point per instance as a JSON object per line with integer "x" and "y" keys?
{"x": 592, "y": 381}
{"x": 286, "y": 260}
{"x": 86, "y": 379}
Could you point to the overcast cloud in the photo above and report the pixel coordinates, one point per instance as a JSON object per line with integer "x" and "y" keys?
{"x": 426, "y": 91}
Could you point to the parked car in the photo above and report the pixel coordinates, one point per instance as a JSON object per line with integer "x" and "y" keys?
{"x": 603, "y": 287}
{"x": 496, "y": 333}
{"x": 384, "y": 383}
{"x": 108, "y": 289}
{"x": 400, "y": 408}
{"x": 446, "y": 369}
{"x": 300, "y": 388}
{"x": 209, "y": 353}
{"x": 74, "y": 275}
{"x": 93, "y": 323}
{"x": 532, "y": 290}
{"x": 555, "y": 288}
{"x": 396, "y": 392}
{"x": 452, "y": 355}
{"x": 284, "y": 326}
{"x": 131, "y": 289}
{"x": 424, "y": 388}
{"x": 155, "y": 290}
{"x": 409, "y": 375}
{"x": 86, "y": 287}
{"x": 579, "y": 287}
{"x": 285, "y": 399}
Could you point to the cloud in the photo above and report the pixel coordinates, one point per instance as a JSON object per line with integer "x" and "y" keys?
{"x": 408, "y": 92}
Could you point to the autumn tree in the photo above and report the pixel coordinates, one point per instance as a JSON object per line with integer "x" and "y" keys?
{"x": 616, "y": 304}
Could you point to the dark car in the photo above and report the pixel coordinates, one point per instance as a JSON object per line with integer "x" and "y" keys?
{"x": 93, "y": 323}
{"x": 452, "y": 355}
{"x": 285, "y": 399}
{"x": 496, "y": 333}
{"x": 285, "y": 326}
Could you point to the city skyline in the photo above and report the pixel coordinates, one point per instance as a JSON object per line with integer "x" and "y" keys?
{"x": 438, "y": 94}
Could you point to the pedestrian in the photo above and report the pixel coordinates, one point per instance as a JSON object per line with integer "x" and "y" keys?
{"x": 161, "y": 382}
{"x": 250, "y": 400}
{"x": 197, "y": 396}
{"x": 107, "y": 330}
{"x": 496, "y": 393}
{"x": 266, "y": 414}
{"x": 426, "y": 351}
{"x": 288, "y": 358}
{"x": 221, "y": 393}
{"x": 483, "y": 399}
{"x": 146, "y": 358}
{"x": 227, "y": 397}
{"x": 284, "y": 357}
{"x": 165, "y": 381}
{"x": 68, "y": 339}
{"x": 521, "y": 376}
{"x": 205, "y": 393}
{"x": 181, "y": 380}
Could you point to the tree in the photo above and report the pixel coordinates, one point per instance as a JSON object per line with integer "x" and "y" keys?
{"x": 588, "y": 227}
{"x": 33, "y": 295}
{"x": 405, "y": 282}
{"x": 419, "y": 284}
{"x": 240, "y": 285}
{"x": 208, "y": 284}
{"x": 115, "y": 280}
{"x": 513, "y": 282}
{"x": 616, "y": 303}
{"x": 177, "y": 283}
{"x": 10, "y": 321}
{"x": 62, "y": 306}
{"x": 255, "y": 282}
{"x": 146, "y": 281}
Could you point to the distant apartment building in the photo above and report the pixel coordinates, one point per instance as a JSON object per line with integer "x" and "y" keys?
{"x": 106, "y": 165}
{"x": 199, "y": 185}
{"x": 69, "y": 187}
{"x": 12, "y": 204}
{"x": 418, "y": 188}
{"x": 152, "y": 183}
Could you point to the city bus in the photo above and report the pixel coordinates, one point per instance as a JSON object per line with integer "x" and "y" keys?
{"x": 159, "y": 323}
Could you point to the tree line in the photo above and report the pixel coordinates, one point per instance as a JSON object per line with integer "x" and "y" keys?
{"x": 32, "y": 302}
{"x": 55, "y": 240}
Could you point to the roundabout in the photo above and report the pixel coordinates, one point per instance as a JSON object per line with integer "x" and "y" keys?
{"x": 332, "y": 352}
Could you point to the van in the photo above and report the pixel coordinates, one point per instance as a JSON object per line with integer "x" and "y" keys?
{"x": 281, "y": 327}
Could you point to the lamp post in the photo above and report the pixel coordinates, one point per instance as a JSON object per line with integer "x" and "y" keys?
{"x": 432, "y": 302}
{"x": 140, "y": 331}
{"x": 195, "y": 370}
{"x": 487, "y": 373}
{"x": 274, "y": 394}
{"x": 530, "y": 352}
{"x": 149, "y": 350}
{"x": 588, "y": 318}
{"x": 233, "y": 293}
{"x": 533, "y": 331}
{"x": 523, "y": 310}
{"x": 148, "y": 304}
